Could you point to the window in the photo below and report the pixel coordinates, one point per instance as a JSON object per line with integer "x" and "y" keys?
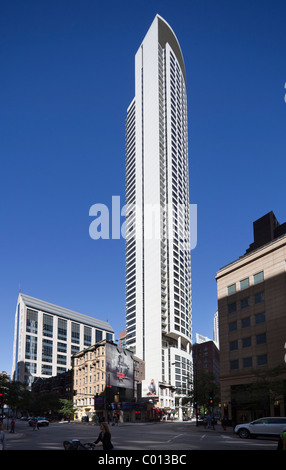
{"x": 31, "y": 347}
{"x": 231, "y": 289}
{"x": 262, "y": 360}
{"x": 259, "y": 298}
{"x": 87, "y": 336}
{"x": 244, "y": 284}
{"x": 246, "y": 342}
{"x": 62, "y": 329}
{"x": 61, "y": 359}
{"x": 47, "y": 350}
{"x": 47, "y": 370}
{"x": 259, "y": 277}
{"x": 47, "y": 325}
{"x": 75, "y": 333}
{"x": 247, "y": 362}
{"x": 32, "y": 321}
{"x": 245, "y": 322}
{"x": 261, "y": 339}
{"x": 234, "y": 364}
{"x": 232, "y": 326}
{"x": 62, "y": 347}
{"x": 31, "y": 367}
{"x": 259, "y": 318}
{"x": 98, "y": 336}
{"x": 244, "y": 303}
{"x": 231, "y": 307}
{"x": 74, "y": 349}
{"x": 233, "y": 345}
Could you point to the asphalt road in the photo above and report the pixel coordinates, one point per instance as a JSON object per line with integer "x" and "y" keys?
{"x": 166, "y": 436}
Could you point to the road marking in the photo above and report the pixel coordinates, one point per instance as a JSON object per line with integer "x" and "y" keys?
{"x": 251, "y": 443}
{"x": 175, "y": 437}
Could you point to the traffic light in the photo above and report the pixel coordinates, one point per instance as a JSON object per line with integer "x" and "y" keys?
{"x": 211, "y": 402}
{"x": 1, "y": 400}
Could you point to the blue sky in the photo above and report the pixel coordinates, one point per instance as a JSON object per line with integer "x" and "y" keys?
{"x": 67, "y": 78}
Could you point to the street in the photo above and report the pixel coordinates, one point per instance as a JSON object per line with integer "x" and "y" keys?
{"x": 167, "y": 436}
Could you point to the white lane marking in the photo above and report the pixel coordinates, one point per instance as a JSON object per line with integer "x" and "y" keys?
{"x": 175, "y": 437}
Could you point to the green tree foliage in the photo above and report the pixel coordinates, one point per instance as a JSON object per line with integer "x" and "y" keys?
{"x": 204, "y": 385}
{"x": 67, "y": 408}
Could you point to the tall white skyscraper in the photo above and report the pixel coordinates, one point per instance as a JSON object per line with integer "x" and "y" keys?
{"x": 158, "y": 262}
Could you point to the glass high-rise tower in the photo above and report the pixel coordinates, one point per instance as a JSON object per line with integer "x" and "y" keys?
{"x": 158, "y": 261}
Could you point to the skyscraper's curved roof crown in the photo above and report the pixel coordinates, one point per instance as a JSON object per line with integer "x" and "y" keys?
{"x": 166, "y": 34}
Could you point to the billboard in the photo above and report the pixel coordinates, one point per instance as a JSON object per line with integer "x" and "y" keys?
{"x": 119, "y": 366}
{"x": 150, "y": 388}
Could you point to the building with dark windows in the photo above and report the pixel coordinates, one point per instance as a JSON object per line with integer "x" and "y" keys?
{"x": 252, "y": 324}
{"x": 46, "y": 336}
{"x": 206, "y": 358}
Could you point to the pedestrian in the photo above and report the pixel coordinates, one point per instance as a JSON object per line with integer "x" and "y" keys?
{"x": 213, "y": 422}
{"x": 104, "y": 438}
{"x": 12, "y": 429}
{"x": 2, "y": 438}
{"x": 35, "y": 425}
{"x": 223, "y": 423}
{"x": 209, "y": 421}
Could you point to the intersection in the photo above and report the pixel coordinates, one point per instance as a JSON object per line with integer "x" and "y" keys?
{"x": 163, "y": 436}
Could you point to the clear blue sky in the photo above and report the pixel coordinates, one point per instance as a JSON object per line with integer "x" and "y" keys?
{"x": 67, "y": 78}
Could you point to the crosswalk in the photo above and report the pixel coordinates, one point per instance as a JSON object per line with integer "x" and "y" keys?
{"x": 230, "y": 441}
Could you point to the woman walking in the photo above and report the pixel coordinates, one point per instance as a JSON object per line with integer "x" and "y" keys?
{"x": 104, "y": 438}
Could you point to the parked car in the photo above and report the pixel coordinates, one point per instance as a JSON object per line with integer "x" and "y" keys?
{"x": 267, "y": 427}
{"x": 40, "y": 421}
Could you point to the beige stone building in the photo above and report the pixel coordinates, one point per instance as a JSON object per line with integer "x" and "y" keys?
{"x": 103, "y": 382}
{"x": 252, "y": 321}
{"x": 89, "y": 368}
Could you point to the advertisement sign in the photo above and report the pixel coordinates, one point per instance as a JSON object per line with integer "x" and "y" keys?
{"x": 98, "y": 403}
{"x": 119, "y": 366}
{"x": 150, "y": 388}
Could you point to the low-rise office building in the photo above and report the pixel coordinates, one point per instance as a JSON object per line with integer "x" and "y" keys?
{"x": 47, "y": 335}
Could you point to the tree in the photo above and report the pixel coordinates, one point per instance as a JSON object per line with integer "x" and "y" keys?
{"x": 67, "y": 409}
{"x": 269, "y": 386}
{"x": 204, "y": 385}
{"x": 13, "y": 393}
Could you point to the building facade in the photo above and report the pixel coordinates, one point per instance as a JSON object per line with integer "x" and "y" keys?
{"x": 206, "y": 357}
{"x": 46, "y": 336}
{"x": 104, "y": 382}
{"x": 252, "y": 323}
{"x": 158, "y": 263}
